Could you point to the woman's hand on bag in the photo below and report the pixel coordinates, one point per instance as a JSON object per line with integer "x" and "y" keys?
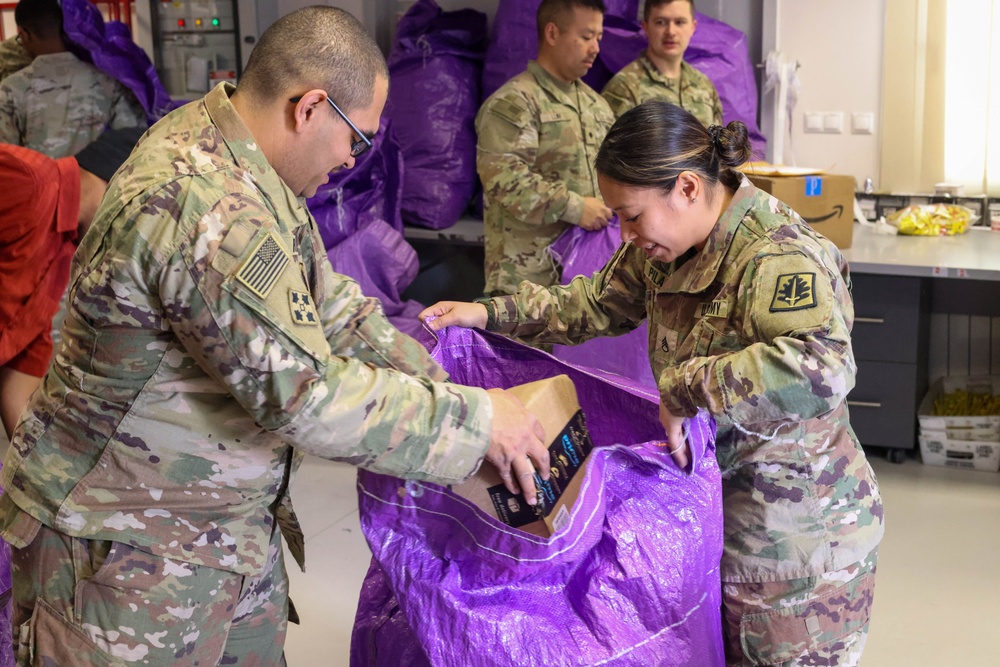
{"x": 676, "y": 441}
{"x": 454, "y": 313}
{"x": 517, "y": 444}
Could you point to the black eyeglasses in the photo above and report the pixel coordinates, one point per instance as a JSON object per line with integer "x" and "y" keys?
{"x": 357, "y": 147}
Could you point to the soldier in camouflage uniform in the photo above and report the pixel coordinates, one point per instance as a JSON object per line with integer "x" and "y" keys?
{"x": 13, "y": 57}
{"x": 58, "y": 104}
{"x": 750, "y": 316}
{"x": 660, "y": 72}
{"x": 208, "y": 345}
{"x": 538, "y": 135}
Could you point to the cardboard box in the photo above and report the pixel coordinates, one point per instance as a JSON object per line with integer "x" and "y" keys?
{"x": 971, "y": 427}
{"x": 826, "y": 202}
{"x": 554, "y": 402}
{"x": 966, "y": 454}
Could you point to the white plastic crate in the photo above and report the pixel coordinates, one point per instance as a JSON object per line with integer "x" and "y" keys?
{"x": 968, "y": 454}
{"x": 972, "y": 427}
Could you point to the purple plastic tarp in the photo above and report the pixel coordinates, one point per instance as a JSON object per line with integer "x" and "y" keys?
{"x": 435, "y": 67}
{"x": 384, "y": 264}
{"x": 717, "y": 50}
{"x": 582, "y": 253}
{"x": 110, "y": 47}
{"x": 632, "y": 580}
{"x": 372, "y": 190}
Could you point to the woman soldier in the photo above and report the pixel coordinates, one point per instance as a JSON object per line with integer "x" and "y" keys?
{"x": 750, "y": 316}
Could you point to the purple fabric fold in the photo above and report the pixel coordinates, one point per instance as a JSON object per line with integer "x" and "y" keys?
{"x": 109, "y": 46}
{"x": 633, "y": 579}
{"x": 583, "y": 253}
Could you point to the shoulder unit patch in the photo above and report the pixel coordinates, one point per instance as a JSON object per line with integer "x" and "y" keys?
{"x": 794, "y": 291}
{"x": 261, "y": 270}
{"x": 303, "y": 311}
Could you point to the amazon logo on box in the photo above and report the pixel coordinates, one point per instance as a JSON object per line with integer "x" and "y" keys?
{"x": 825, "y": 202}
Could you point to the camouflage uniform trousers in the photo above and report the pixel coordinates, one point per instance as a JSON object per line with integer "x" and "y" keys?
{"x": 89, "y": 603}
{"x": 810, "y": 622}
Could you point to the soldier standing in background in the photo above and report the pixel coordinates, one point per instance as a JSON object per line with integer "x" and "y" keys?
{"x": 58, "y": 104}
{"x": 209, "y": 343}
{"x": 538, "y": 135}
{"x": 750, "y": 318}
{"x": 660, "y": 72}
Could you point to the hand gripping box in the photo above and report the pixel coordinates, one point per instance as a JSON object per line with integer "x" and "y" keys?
{"x": 553, "y": 401}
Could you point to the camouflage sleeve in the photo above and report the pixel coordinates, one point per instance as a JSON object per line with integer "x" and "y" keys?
{"x": 126, "y": 110}
{"x": 506, "y": 151}
{"x": 13, "y": 57}
{"x": 250, "y": 329}
{"x": 716, "y": 107}
{"x": 11, "y": 123}
{"x": 356, "y": 326}
{"x": 801, "y": 364}
{"x": 609, "y": 303}
{"x": 618, "y": 96}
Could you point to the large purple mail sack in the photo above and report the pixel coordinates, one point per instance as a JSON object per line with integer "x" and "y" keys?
{"x": 435, "y": 66}
{"x": 582, "y": 253}
{"x": 110, "y": 47}
{"x": 633, "y": 579}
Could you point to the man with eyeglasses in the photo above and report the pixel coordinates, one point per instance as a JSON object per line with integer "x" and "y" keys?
{"x": 209, "y": 344}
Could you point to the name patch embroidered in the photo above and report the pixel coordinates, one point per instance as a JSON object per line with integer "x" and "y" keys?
{"x": 713, "y": 309}
{"x": 302, "y": 308}
{"x": 262, "y": 269}
{"x": 794, "y": 291}
{"x": 655, "y": 275}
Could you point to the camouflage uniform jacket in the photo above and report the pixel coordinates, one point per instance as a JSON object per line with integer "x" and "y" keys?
{"x": 58, "y": 104}
{"x": 207, "y": 336}
{"x": 641, "y": 81}
{"x": 755, "y": 328}
{"x": 13, "y": 57}
{"x": 538, "y": 138}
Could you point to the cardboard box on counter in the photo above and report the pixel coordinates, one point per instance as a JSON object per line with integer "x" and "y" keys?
{"x": 825, "y": 201}
{"x": 553, "y": 401}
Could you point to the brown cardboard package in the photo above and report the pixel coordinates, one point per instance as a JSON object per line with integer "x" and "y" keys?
{"x": 554, "y": 402}
{"x": 826, "y": 202}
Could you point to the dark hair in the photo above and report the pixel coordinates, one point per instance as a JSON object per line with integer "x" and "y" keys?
{"x": 557, "y": 11}
{"x": 651, "y": 144}
{"x": 653, "y": 4}
{"x": 315, "y": 47}
{"x": 41, "y": 18}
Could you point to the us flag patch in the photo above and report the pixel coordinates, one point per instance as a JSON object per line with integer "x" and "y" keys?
{"x": 262, "y": 269}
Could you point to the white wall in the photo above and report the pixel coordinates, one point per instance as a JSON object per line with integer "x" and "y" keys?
{"x": 838, "y": 45}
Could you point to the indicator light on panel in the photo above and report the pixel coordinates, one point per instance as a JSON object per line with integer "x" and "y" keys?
{"x": 181, "y": 23}
{"x": 197, "y": 22}
{"x": 215, "y": 21}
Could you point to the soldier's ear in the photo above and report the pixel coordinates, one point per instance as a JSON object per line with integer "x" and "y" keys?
{"x": 308, "y": 108}
{"x": 551, "y": 33}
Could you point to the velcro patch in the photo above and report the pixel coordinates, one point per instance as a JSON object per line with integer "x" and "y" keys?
{"x": 261, "y": 270}
{"x": 714, "y": 309}
{"x": 302, "y": 309}
{"x": 794, "y": 291}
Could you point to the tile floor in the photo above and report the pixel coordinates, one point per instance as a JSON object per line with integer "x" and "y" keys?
{"x": 937, "y": 601}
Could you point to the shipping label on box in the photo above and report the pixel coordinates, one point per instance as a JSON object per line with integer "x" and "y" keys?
{"x": 553, "y": 401}
{"x": 566, "y": 457}
{"x": 826, "y": 202}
